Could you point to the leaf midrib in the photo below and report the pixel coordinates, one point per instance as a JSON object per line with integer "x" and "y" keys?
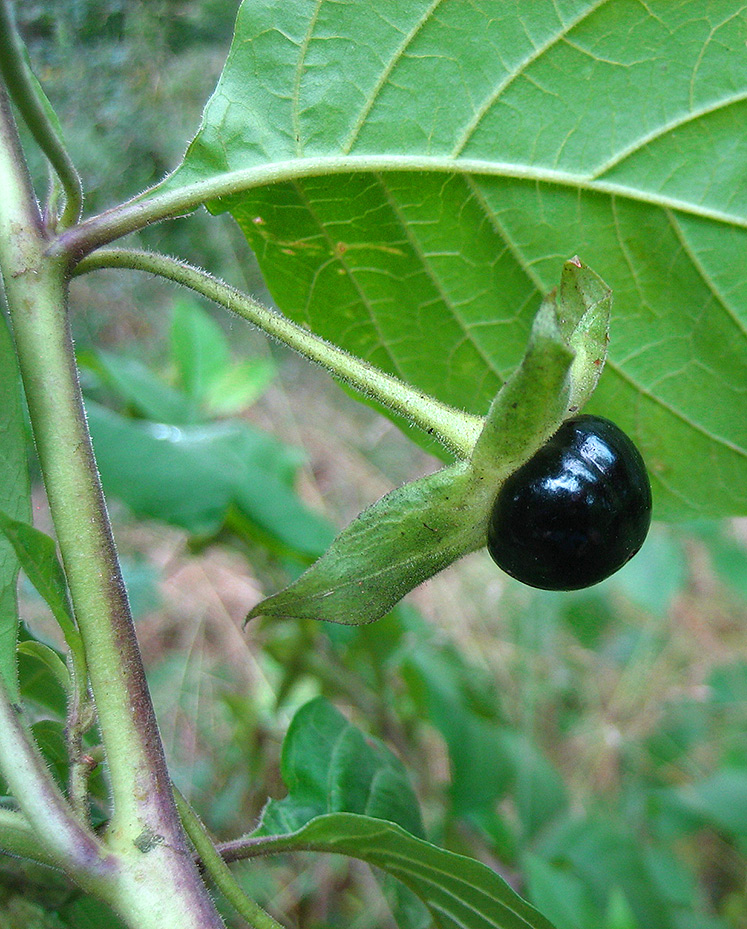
{"x": 230, "y": 183}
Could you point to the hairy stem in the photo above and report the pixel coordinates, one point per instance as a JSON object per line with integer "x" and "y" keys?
{"x": 61, "y": 836}
{"x": 457, "y": 430}
{"x": 145, "y": 831}
{"x": 219, "y": 870}
{"x": 27, "y": 96}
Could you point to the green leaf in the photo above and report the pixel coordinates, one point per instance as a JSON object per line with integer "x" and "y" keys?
{"x": 146, "y": 393}
{"x": 50, "y": 659}
{"x": 37, "y": 553}
{"x": 40, "y": 684}
{"x": 192, "y": 476}
{"x": 16, "y": 502}
{"x": 559, "y": 894}
{"x": 481, "y": 772}
{"x": 721, "y": 800}
{"x": 604, "y": 855}
{"x": 409, "y": 535}
{"x": 89, "y": 913}
{"x": 460, "y": 893}
{"x": 199, "y": 349}
{"x": 619, "y": 914}
{"x": 239, "y": 386}
{"x": 330, "y": 766}
{"x": 409, "y": 179}
{"x": 419, "y": 529}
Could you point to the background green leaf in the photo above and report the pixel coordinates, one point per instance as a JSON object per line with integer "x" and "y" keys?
{"x": 330, "y": 766}
{"x": 14, "y": 481}
{"x": 196, "y": 476}
{"x": 443, "y": 159}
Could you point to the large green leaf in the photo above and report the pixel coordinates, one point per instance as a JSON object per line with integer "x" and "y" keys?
{"x": 460, "y": 893}
{"x": 14, "y": 497}
{"x": 414, "y": 173}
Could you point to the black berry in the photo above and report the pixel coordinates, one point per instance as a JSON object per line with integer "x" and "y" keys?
{"x": 575, "y": 512}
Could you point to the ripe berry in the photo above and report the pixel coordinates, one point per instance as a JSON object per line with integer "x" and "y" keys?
{"x": 575, "y": 512}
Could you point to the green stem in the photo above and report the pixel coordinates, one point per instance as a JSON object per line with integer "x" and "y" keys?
{"x": 144, "y": 818}
{"x": 28, "y": 97}
{"x": 219, "y": 870}
{"x": 457, "y": 430}
{"x": 61, "y": 837}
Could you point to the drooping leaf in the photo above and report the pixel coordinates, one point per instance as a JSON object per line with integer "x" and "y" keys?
{"x": 15, "y": 499}
{"x": 330, "y": 766}
{"x": 459, "y": 892}
{"x": 412, "y": 180}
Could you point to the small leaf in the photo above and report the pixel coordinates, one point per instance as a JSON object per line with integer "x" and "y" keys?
{"x": 239, "y": 386}
{"x": 459, "y": 892}
{"x": 49, "y": 658}
{"x": 560, "y": 894}
{"x": 37, "y": 554}
{"x": 199, "y": 349}
{"x": 561, "y": 366}
{"x": 405, "y": 538}
{"x": 330, "y": 766}
{"x": 720, "y": 800}
{"x": 142, "y": 390}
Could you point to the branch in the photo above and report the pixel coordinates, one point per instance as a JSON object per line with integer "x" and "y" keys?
{"x": 457, "y": 430}
{"x": 219, "y": 871}
{"x": 57, "y": 833}
{"x": 34, "y": 107}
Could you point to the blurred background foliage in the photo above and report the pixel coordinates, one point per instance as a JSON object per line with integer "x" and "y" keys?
{"x": 591, "y": 747}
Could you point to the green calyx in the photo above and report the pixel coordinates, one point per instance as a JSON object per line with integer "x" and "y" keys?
{"x": 422, "y": 527}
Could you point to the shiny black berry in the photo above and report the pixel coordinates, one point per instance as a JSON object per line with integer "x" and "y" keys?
{"x": 576, "y": 511}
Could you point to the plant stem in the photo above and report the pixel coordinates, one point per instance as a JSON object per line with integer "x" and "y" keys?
{"x": 219, "y": 870}
{"x": 61, "y": 836}
{"x": 28, "y": 97}
{"x": 158, "y": 880}
{"x": 457, "y": 430}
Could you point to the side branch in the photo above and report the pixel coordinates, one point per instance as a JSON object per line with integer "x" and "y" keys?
{"x": 59, "y": 836}
{"x": 457, "y": 430}
{"x": 26, "y": 95}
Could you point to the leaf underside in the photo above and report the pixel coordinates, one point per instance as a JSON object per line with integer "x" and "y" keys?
{"x": 440, "y": 160}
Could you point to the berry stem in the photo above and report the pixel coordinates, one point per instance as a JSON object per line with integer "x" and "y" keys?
{"x": 457, "y": 430}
